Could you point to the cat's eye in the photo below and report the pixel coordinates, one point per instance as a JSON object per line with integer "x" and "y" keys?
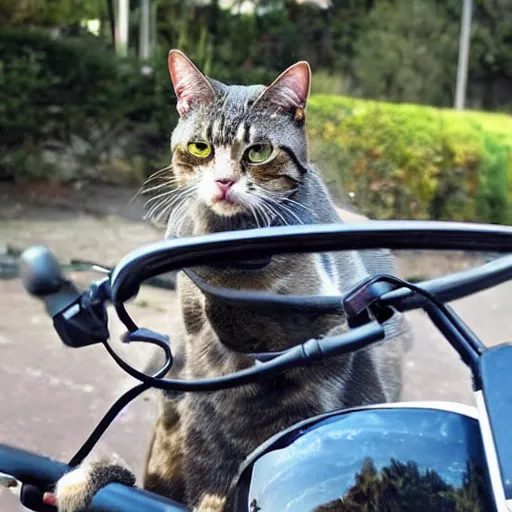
{"x": 259, "y": 153}
{"x": 200, "y": 149}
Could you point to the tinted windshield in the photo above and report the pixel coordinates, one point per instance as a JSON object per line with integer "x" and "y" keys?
{"x": 401, "y": 459}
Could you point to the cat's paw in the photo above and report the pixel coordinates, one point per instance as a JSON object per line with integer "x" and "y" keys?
{"x": 211, "y": 503}
{"x": 75, "y": 490}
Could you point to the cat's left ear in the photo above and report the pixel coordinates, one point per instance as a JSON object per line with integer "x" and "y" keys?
{"x": 290, "y": 90}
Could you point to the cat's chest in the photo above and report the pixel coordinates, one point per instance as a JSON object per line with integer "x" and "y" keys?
{"x": 245, "y": 329}
{"x": 297, "y": 274}
{"x": 252, "y": 415}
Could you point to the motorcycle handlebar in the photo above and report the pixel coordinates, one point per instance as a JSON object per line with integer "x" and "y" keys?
{"x": 39, "y": 471}
{"x": 454, "y": 286}
{"x": 42, "y": 277}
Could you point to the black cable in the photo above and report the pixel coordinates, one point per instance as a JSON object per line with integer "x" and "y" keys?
{"x": 447, "y": 288}
{"x": 471, "y": 347}
{"x": 468, "y": 337}
{"x": 299, "y": 355}
{"x": 105, "y": 422}
{"x": 120, "y": 403}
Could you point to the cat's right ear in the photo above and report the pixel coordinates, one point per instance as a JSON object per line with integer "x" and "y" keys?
{"x": 192, "y": 88}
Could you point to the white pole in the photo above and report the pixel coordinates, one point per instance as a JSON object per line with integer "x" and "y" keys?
{"x": 123, "y": 13}
{"x": 153, "y": 26}
{"x": 145, "y": 30}
{"x": 462, "y": 69}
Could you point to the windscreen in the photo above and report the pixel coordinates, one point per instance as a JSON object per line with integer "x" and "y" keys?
{"x": 394, "y": 459}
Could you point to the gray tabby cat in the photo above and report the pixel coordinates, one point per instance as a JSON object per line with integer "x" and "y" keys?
{"x": 240, "y": 160}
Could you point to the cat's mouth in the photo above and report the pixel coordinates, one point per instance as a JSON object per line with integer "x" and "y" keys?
{"x": 227, "y": 206}
{"x": 226, "y": 201}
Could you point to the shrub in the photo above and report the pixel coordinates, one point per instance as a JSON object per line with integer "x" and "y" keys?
{"x": 78, "y": 100}
{"x": 409, "y": 161}
{"x": 406, "y": 52}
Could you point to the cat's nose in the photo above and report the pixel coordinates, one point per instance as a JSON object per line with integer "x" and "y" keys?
{"x": 224, "y": 185}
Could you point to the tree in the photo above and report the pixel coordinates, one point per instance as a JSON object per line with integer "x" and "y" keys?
{"x": 491, "y": 54}
{"x": 407, "y": 52}
{"x": 402, "y": 487}
{"x": 49, "y": 12}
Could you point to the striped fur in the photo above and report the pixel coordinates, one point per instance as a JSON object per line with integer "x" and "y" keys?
{"x": 199, "y": 440}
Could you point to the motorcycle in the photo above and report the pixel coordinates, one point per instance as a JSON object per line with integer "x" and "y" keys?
{"x": 392, "y": 456}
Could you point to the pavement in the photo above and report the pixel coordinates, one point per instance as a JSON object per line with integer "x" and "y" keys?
{"x": 52, "y": 396}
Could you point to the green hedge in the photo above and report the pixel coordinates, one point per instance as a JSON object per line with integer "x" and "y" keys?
{"x": 75, "y": 99}
{"x": 414, "y": 162}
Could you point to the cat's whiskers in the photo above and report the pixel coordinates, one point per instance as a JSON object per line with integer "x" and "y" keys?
{"x": 266, "y": 212}
{"x": 168, "y": 193}
{"x": 254, "y": 214}
{"x": 296, "y": 203}
{"x": 178, "y": 207}
{"x": 278, "y": 207}
{"x": 161, "y": 200}
{"x": 282, "y": 196}
{"x": 172, "y": 198}
{"x": 164, "y": 210}
{"x": 164, "y": 201}
{"x": 253, "y": 203}
{"x": 154, "y": 176}
{"x": 167, "y": 183}
{"x": 182, "y": 212}
{"x": 157, "y": 174}
{"x": 259, "y": 207}
{"x": 274, "y": 211}
{"x": 166, "y": 213}
{"x": 289, "y": 211}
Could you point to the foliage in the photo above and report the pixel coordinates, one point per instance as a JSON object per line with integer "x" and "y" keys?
{"x": 62, "y": 93}
{"x": 409, "y": 161}
{"x": 403, "y": 487}
{"x": 397, "y": 50}
{"x": 71, "y": 109}
{"x": 491, "y": 54}
{"x": 48, "y": 12}
{"x": 410, "y": 57}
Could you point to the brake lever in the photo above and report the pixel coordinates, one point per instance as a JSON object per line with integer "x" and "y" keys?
{"x": 366, "y": 294}
{"x": 363, "y": 304}
{"x": 84, "y": 321}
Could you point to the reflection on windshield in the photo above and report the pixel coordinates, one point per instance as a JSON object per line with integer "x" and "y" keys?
{"x": 403, "y": 459}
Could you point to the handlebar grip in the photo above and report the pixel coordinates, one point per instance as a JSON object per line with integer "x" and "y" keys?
{"x": 40, "y": 271}
{"x": 39, "y": 471}
{"x": 30, "y": 468}
{"x": 121, "y": 498}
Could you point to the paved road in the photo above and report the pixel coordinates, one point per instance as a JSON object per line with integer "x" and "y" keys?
{"x": 52, "y": 396}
